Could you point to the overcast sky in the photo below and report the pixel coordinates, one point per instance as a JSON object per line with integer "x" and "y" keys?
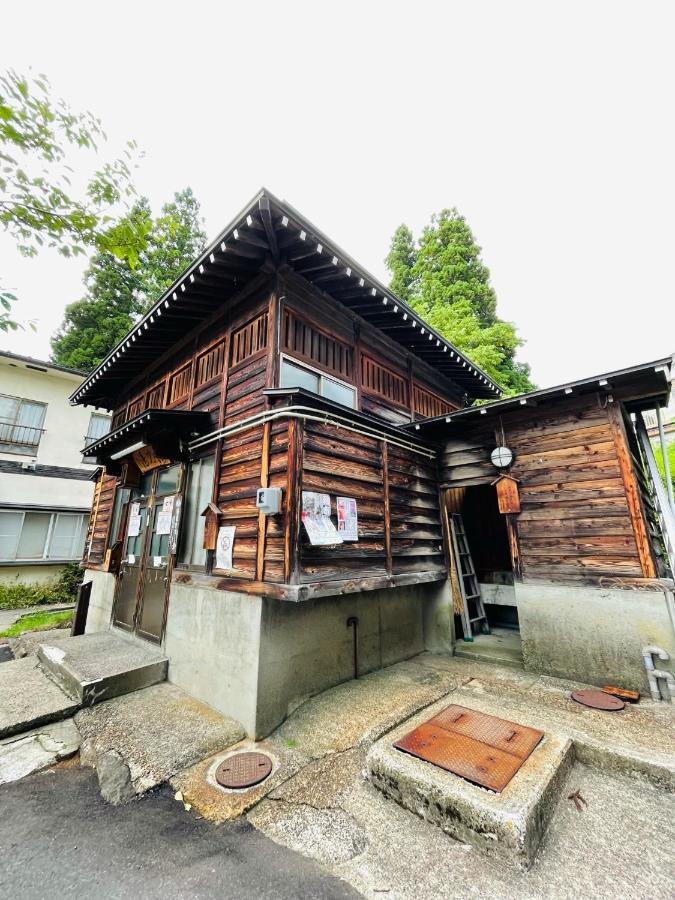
{"x": 548, "y": 124}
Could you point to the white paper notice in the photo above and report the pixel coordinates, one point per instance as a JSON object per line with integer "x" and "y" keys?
{"x": 158, "y": 561}
{"x": 135, "y": 509}
{"x": 167, "y": 505}
{"x": 224, "y": 547}
{"x": 347, "y": 518}
{"x": 134, "y": 526}
{"x": 316, "y": 519}
{"x": 132, "y": 559}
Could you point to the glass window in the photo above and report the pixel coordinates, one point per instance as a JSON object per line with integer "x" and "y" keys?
{"x": 41, "y": 535}
{"x": 295, "y": 376}
{"x": 34, "y": 535}
{"x": 10, "y": 530}
{"x": 98, "y": 426}
{"x": 340, "y": 393}
{"x": 67, "y": 540}
{"x": 167, "y": 480}
{"x": 298, "y": 376}
{"x": 197, "y": 495}
{"x": 21, "y": 424}
{"x": 121, "y": 497}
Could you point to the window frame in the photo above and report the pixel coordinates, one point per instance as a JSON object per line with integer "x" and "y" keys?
{"x": 184, "y": 524}
{"x": 284, "y": 357}
{"x": 29, "y": 449}
{"x": 53, "y": 519}
{"x": 90, "y": 439}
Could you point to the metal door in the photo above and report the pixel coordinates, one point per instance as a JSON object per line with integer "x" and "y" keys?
{"x": 144, "y": 573}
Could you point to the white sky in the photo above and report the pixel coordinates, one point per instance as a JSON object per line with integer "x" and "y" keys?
{"x": 549, "y": 125}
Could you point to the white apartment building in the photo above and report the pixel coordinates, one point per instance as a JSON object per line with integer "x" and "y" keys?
{"x": 45, "y": 483}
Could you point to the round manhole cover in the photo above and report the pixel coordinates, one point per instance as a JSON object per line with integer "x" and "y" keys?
{"x": 243, "y": 770}
{"x": 598, "y": 700}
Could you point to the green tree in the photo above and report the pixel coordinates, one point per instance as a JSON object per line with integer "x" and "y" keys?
{"x": 444, "y": 278}
{"x": 38, "y": 205}
{"x": 117, "y": 294}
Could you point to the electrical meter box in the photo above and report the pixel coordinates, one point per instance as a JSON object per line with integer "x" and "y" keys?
{"x": 268, "y": 500}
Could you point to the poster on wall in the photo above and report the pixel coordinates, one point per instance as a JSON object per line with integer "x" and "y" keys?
{"x": 165, "y": 515}
{"x": 134, "y": 528}
{"x": 224, "y": 547}
{"x": 347, "y": 518}
{"x": 316, "y": 519}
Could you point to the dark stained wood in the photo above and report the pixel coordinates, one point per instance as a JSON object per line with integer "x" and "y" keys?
{"x": 508, "y": 498}
{"x": 293, "y": 501}
{"x": 387, "y": 507}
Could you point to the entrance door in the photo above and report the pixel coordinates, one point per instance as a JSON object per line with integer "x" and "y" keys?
{"x": 144, "y": 573}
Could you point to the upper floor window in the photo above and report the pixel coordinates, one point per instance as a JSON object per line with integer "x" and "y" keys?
{"x": 294, "y": 375}
{"x": 21, "y": 424}
{"x": 98, "y": 426}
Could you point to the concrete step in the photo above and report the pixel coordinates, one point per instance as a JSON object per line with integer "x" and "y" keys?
{"x": 502, "y": 646}
{"x": 95, "y": 667}
{"x": 28, "y": 698}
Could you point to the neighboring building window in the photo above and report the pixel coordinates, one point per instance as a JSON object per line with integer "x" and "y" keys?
{"x": 293, "y": 375}
{"x": 21, "y": 424}
{"x": 197, "y": 495}
{"x": 32, "y": 535}
{"x": 98, "y": 426}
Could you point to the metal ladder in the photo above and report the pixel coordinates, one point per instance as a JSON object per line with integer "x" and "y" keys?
{"x": 468, "y": 583}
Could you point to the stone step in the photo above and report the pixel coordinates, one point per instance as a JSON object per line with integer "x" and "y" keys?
{"x": 95, "y": 667}
{"x": 28, "y": 698}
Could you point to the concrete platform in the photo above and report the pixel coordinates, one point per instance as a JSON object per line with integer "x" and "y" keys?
{"x": 502, "y": 646}
{"x": 508, "y": 826}
{"x": 28, "y": 698}
{"x": 95, "y": 667}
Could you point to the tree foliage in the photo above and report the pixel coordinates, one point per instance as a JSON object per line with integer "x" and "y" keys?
{"x": 39, "y": 206}
{"x": 444, "y": 278}
{"x": 117, "y": 294}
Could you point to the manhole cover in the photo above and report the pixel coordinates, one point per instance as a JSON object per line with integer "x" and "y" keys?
{"x": 243, "y": 770}
{"x": 483, "y": 749}
{"x": 598, "y": 700}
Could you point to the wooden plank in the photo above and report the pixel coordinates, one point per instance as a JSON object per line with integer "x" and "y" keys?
{"x": 262, "y": 518}
{"x": 387, "y": 506}
{"x": 293, "y": 501}
{"x": 632, "y": 493}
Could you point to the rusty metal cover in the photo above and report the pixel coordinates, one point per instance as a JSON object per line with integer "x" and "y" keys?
{"x": 482, "y": 749}
{"x": 598, "y": 700}
{"x": 243, "y": 770}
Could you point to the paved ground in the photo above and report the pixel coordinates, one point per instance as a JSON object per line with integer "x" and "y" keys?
{"x": 59, "y": 839}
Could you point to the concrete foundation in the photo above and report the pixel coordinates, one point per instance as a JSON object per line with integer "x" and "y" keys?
{"x": 101, "y": 600}
{"x": 594, "y": 635}
{"x": 257, "y": 659}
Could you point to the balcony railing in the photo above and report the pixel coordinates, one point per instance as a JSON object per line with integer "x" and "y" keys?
{"x": 20, "y": 436}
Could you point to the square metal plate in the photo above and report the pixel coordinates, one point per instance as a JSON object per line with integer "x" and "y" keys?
{"x": 485, "y": 750}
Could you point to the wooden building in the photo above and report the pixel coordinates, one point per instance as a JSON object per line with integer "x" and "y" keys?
{"x": 277, "y": 364}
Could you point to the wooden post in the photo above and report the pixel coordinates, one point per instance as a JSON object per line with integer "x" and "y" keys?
{"x": 262, "y": 518}
{"x": 514, "y": 545}
{"x": 293, "y": 502}
{"x": 387, "y": 507}
{"x": 630, "y": 485}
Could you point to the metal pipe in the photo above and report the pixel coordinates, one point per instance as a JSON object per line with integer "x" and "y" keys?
{"x": 308, "y": 413}
{"x": 353, "y": 622}
{"x": 666, "y": 461}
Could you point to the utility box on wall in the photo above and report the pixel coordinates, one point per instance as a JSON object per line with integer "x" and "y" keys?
{"x": 268, "y": 500}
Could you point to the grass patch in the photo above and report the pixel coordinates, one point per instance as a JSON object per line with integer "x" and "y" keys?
{"x": 40, "y": 621}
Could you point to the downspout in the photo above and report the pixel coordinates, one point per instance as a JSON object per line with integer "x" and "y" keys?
{"x": 655, "y": 675}
{"x": 353, "y": 622}
{"x": 666, "y": 461}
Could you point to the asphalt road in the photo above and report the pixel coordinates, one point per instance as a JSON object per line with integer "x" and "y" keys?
{"x": 59, "y": 839}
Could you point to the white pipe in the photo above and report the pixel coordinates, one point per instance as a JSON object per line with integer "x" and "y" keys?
{"x": 308, "y": 413}
{"x": 666, "y": 461}
{"x": 654, "y": 674}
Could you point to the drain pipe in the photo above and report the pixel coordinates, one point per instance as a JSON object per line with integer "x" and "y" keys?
{"x": 353, "y": 622}
{"x": 655, "y": 675}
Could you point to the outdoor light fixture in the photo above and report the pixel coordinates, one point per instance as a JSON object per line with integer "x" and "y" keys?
{"x": 127, "y": 450}
{"x": 501, "y": 457}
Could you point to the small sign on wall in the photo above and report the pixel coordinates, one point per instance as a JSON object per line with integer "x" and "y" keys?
{"x": 508, "y": 497}
{"x": 224, "y": 547}
{"x": 347, "y": 518}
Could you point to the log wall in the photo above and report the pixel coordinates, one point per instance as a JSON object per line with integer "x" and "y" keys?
{"x": 579, "y": 518}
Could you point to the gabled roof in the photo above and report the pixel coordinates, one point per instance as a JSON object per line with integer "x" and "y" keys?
{"x": 269, "y": 230}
